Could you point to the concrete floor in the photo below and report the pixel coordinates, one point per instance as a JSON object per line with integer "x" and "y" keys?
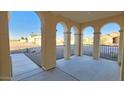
{"x": 78, "y": 68}
{"x": 21, "y": 64}
{"x": 85, "y": 68}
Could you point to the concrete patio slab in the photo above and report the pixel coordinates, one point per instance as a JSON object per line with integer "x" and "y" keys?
{"x": 83, "y": 68}
{"x": 86, "y": 68}
{"x": 51, "y": 75}
{"x": 22, "y": 64}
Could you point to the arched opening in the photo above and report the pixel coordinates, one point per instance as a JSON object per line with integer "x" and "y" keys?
{"x": 88, "y": 40}
{"x": 109, "y": 41}
{"x": 60, "y": 29}
{"x": 73, "y": 40}
{"x": 25, "y": 41}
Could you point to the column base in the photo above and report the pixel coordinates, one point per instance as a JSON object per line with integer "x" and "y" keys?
{"x": 77, "y": 55}
{"x": 121, "y": 77}
{"x": 80, "y": 55}
{"x": 48, "y": 68}
{"x": 67, "y": 58}
{"x": 5, "y": 78}
{"x": 95, "y": 58}
{"x": 119, "y": 63}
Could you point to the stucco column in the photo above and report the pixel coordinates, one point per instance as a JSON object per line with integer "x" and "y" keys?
{"x": 77, "y": 44}
{"x": 5, "y": 63}
{"x": 67, "y": 45}
{"x": 96, "y": 47}
{"x": 120, "y": 54}
{"x": 48, "y": 46}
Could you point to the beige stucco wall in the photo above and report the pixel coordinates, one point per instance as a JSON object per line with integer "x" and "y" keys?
{"x": 5, "y": 64}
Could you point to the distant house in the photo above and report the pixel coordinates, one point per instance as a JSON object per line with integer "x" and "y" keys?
{"x": 60, "y": 42}
{"x": 116, "y": 40}
{"x": 110, "y": 39}
{"x": 34, "y": 38}
{"x": 23, "y": 40}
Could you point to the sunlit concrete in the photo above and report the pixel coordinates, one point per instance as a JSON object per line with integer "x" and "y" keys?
{"x": 21, "y": 64}
{"x": 86, "y": 68}
{"x": 77, "y": 69}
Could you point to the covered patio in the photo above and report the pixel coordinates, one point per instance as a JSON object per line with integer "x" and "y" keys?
{"x": 78, "y": 67}
{"x": 82, "y": 68}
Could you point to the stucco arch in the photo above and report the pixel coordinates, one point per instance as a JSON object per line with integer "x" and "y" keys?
{"x": 108, "y": 35}
{"x": 90, "y": 44}
{"x": 83, "y": 28}
{"x": 114, "y": 19}
{"x": 36, "y": 16}
{"x": 64, "y": 25}
{"x": 76, "y": 30}
{"x": 41, "y": 17}
{"x": 104, "y": 30}
{"x": 109, "y": 23}
{"x": 39, "y": 14}
{"x": 66, "y": 22}
{"x": 91, "y": 26}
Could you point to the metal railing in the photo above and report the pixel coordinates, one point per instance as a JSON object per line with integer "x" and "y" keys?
{"x": 72, "y": 50}
{"x": 88, "y": 49}
{"x": 109, "y": 52}
{"x": 60, "y": 51}
{"x": 106, "y": 51}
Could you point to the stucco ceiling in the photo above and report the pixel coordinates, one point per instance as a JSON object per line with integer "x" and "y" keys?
{"x": 85, "y": 16}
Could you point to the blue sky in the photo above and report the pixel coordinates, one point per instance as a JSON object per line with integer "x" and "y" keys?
{"x": 59, "y": 29}
{"x": 21, "y": 24}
